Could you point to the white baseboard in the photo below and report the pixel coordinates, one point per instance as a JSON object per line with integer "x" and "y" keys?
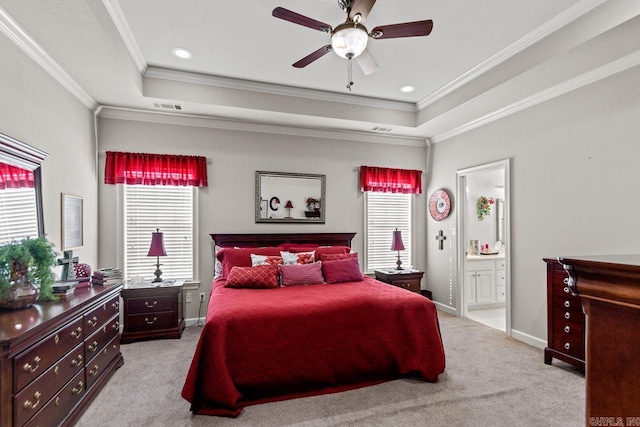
{"x": 446, "y": 308}
{"x": 528, "y": 339}
{"x": 193, "y": 321}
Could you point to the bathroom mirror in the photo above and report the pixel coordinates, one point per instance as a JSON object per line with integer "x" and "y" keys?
{"x": 290, "y": 197}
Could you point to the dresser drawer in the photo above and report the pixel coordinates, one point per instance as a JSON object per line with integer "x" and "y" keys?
{"x": 411, "y": 284}
{"x": 94, "y": 343}
{"x": 151, "y": 321}
{"x": 151, "y": 304}
{"x": 30, "y": 364}
{"x": 58, "y": 408}
{"x": 570, "y": 343}
{"x": 97, "y": 365}
{"x": 94, "y": 319}
{"x": 34, "y": 396}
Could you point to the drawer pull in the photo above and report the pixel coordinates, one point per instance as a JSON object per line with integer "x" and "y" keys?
{"x": 93, "y": 346}
{"x": 150, "y": 322}
{"x": 57, "y": 401}
{"x": 78, "y": 389}
{"x": 565, "y": 280}
{"x": 567, "y": 346}
{"x": 94, "y": 371}
{"x": 28, "y": 367}
{"x": 56, "y": 339}
{"x": 567, "y": 290}
{"x": 116, "y": 305}
{"x": 77, "y": 361}
{"x": 77, "y": 333}
{"x": 56, "y": 370}
{"x": 567, "y": 315}
{"x": 29, "y": 404}
{"x": 116, "y": 325}
{"x": 567, "y": 304}
{"x": 567, "y": 329}
{"x": 146, "y": 303}
{"x": 93, "y": 321}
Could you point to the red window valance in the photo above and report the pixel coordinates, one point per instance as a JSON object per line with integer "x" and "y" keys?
{"x": 388, "y": 180}
{"x": 15, "y": 177}
{"x": 155, "y": 169}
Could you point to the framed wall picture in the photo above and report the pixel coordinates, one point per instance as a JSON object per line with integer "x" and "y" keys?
{"x": 72, "y": 216}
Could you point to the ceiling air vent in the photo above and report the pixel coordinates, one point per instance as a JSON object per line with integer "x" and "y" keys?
{"x": 174, "y": 107}
{"x": 381, "y": 129}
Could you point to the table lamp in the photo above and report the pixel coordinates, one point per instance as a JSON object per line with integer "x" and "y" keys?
{"x": 157, "y": 250}
{"x": 397, "y": 245}
{"x": 288, "y": 206}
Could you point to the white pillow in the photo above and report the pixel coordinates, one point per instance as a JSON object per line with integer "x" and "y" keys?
{"x": 290, "y": 258}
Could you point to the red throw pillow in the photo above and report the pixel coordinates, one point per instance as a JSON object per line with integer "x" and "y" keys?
{"x": 296, "y": 247}
{"x": 333, "y": 257}
{"x": 343, "y": 270}
{"x": 301, "y": 274}
{"x": 323, "y": 250}
{"x": 241, "y": 257}
{"x": 263, "y": 276}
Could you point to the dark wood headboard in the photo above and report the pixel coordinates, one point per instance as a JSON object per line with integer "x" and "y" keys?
{"x": 275, "y": 239}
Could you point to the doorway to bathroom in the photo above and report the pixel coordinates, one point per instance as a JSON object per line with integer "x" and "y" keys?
{"x": 484, "y": 285}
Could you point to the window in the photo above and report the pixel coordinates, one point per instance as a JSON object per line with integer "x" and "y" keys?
{"x": 170, "y": 209}
{"x": 384, "y": 212}
{"x": 18, "y": 214}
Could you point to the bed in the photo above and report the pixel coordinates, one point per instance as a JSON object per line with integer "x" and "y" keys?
{"x": 274, "y": 343}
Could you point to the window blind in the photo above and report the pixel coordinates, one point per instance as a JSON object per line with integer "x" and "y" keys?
{"x": 384, "y": 213}
{"x": 18, "y": 215}
{"x": 170, "y": 209}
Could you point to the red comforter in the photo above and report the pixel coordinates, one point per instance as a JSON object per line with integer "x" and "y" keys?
{"x": 262, "y": 345}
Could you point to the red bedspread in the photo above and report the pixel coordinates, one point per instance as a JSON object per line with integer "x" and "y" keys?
{"x": 261, "y": 345}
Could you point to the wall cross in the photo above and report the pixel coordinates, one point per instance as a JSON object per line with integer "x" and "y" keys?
{"x": 441, "y": 238}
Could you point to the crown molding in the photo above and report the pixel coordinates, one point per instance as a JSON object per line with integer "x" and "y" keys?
{"x": 24, "y": 41}
{"x": 274, "y": 89}
{"x": 590, "y": 77}
{"x": 163, "y": 117}
{"x": 513, "y": 49}
{"x": 117, "y": 16}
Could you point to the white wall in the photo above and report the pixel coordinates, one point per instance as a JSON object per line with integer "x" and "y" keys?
{"x": 37, "y": 110}
{"x": 227, "y": 205}
{"x": 574, "y": 175}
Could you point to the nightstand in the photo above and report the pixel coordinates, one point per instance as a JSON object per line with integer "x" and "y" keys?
{"x": 406, "y": 279}
{"x": 152, "y": 310}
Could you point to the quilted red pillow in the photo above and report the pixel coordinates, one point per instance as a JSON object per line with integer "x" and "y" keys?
{"x": 343, "y": 270}
{"x": 301, "y": 274}
{"x": 262, "y": 276}
{"x": 241, "y": 257}
{"x": 333, "y": 257}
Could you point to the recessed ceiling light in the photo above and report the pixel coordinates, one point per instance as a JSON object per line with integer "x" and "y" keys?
{"x": 407, "y": 89}
{"x": 182, "y": 53}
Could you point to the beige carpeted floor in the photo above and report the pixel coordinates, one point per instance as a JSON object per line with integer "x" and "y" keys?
{"x": 490, "y": 380}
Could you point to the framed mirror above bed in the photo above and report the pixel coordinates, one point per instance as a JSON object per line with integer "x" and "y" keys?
{"x": 284, "y": 197}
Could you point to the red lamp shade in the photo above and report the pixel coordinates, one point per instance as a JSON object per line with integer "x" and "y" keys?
{"x": 157, "y": 244}
{"x": 289, "y": 205}
{"x": 396, "y": 244}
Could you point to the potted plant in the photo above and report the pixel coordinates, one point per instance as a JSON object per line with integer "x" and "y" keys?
{"x": 25, "y": 272}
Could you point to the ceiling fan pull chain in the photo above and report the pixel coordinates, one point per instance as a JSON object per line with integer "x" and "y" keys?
{"x": 350, "y": 77}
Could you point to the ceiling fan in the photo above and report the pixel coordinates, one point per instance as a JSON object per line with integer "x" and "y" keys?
{"x": 349, "y": 39}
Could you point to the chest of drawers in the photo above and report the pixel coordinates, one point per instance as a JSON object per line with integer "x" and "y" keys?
{"x": 565, "y": 319}
{"x": 402, "y": 279}
{"x": 55, "y": 357}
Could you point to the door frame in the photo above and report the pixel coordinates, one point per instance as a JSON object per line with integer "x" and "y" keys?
{"x": 461, "y": 180}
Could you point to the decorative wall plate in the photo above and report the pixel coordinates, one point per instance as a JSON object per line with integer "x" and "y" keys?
{"x": 439, "y": 205}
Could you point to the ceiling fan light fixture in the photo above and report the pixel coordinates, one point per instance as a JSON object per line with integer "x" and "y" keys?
{"x": 349, "y": 40}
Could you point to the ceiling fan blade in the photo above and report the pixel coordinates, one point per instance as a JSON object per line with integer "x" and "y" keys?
{"x": 408, "y": 29}
{"x": 313, "y": 56}
{"x": 362, "y": 7}
{"x": 367, "y": 64}
{"x": 296, "y": 18}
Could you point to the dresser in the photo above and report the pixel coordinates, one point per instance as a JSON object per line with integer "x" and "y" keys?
{"x": 609, "y": 288}
{"x": 56, "y": 356}
{"x": 565, "y": 319}
{"x": 405, "y": 279}
{"x": 153, "y": 310}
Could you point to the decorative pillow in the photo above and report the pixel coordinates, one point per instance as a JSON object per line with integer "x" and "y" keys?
{"x": 265, "y": 260}
{"x": 295, "y": 247}
{"x": 301, "y": 274}
{"x": 289, "y": 258}
{"x": 333, "y": 257}
{"x": 217, "y": 267}
{"x": 241, "y": 257}
{"x": 343, "y": 270}
{"x": 332, "y": 250}
{"x": 263, "y": 276}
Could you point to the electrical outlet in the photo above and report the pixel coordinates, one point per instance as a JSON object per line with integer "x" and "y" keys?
{"x": 188, "y": 295}
{"x": 201, "y": 296}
